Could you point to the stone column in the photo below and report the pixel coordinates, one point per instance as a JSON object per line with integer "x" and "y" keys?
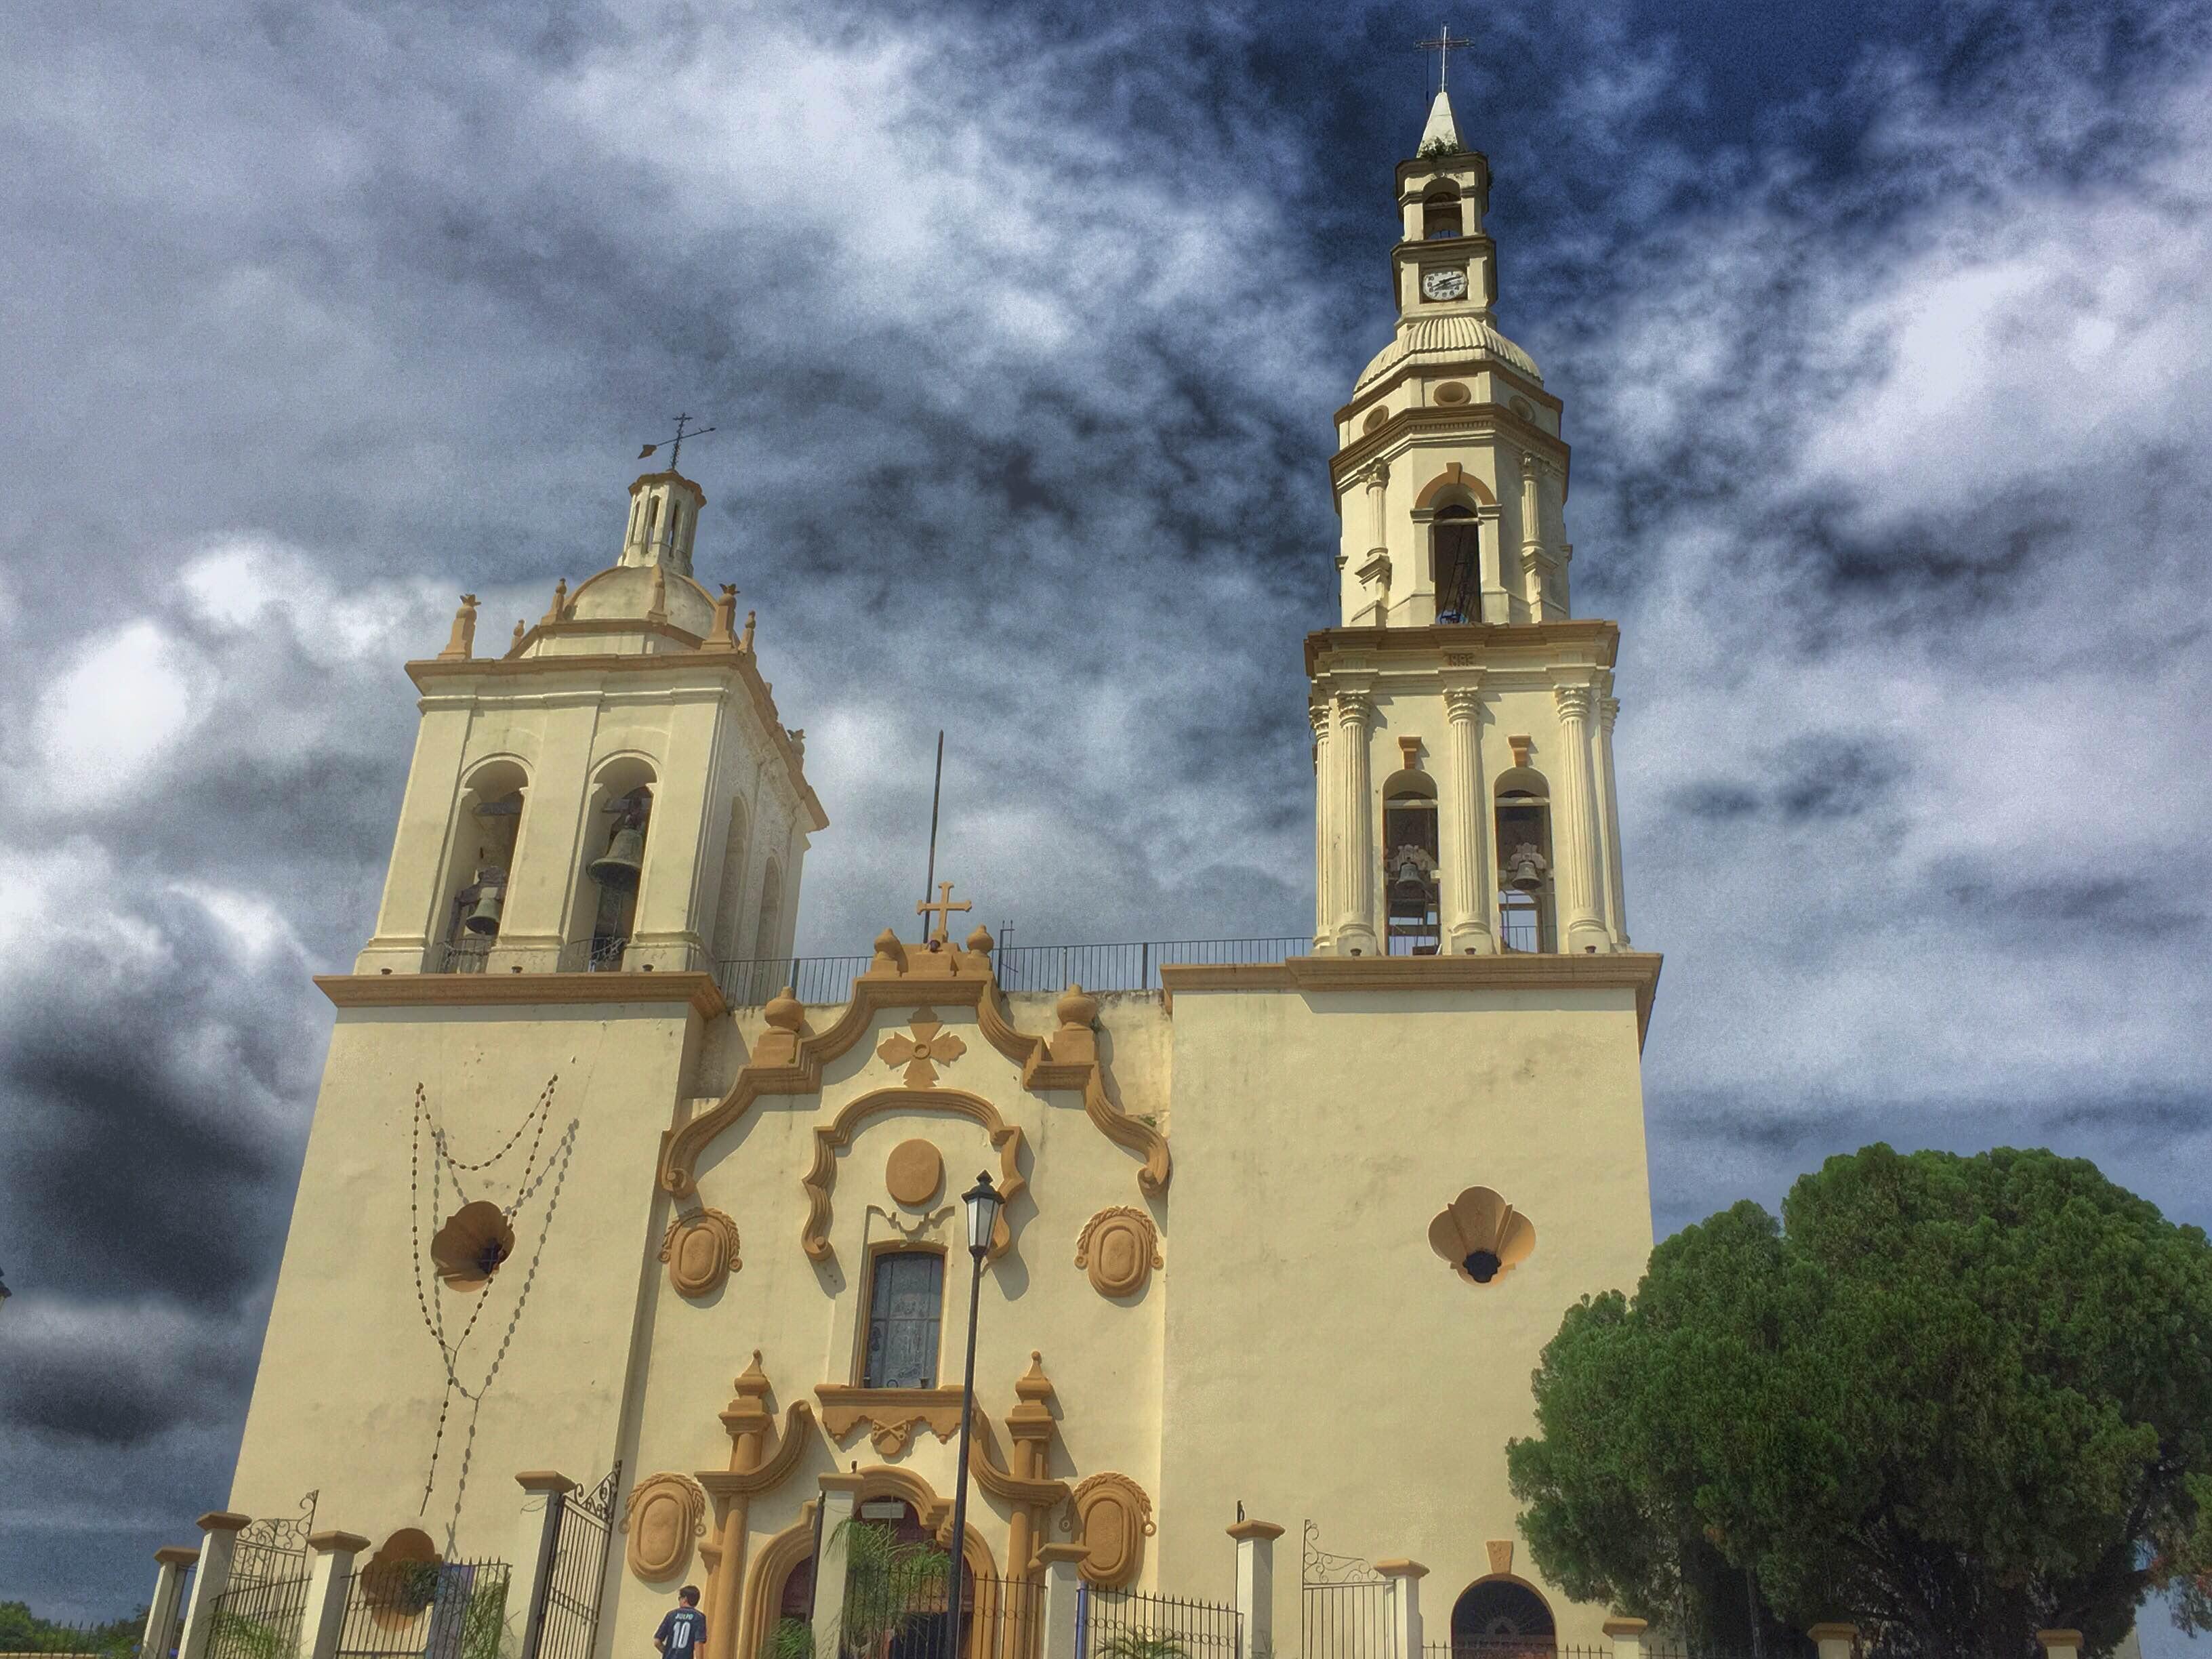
{"x": 2059, "y": 1643}
{"x": 1326, "y": 901}
{"x": 1574, "y": 826}
{"x": 1355, "y": 927}
{"x": 1375, "y": 475}
{"x": 1405, "y": 1578}
{"x": 544, "y": 1493}
{"x": 1465, "y": 805}
{"x": 171, "y": 1563}
{"x": 1835, "y": 1641}
{"x": 1616, "y": 909}
{"x": 330, "y": 1576}
{"x": 219, "y": 1530}
{"x": 1255, "y": 1587}
{"x": 1063, "y": 1601}
{"x": 840, "y": 1492}
{"x": 747, "y": 1421}
{"x": 1627, "y": 1636}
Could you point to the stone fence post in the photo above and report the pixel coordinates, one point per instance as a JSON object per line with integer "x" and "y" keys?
{"x": 1405, "y": 1578}
{"x": 1835, "y": 1641}
{"x": 1063, "y": 1601}
{"x": 1626, "y": 1636}
{"x": 544, "y": 1495}
{"x": 219, "y": 1530}
{"x": 2059, "y": 1643}
{"x": 330, "y": 1576}
{"x": 1255, "y": 1587}
{"x": 170, "y": 1562}
{"x": 840, "y": 1492}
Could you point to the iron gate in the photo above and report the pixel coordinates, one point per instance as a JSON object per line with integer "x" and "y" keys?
{"x": 564, "y": 1621}
{"x": 1343, "y": 1605}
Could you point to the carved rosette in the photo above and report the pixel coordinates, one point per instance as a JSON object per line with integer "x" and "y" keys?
{"x": 1113, "y": 1518}
{"x": 701, "y": 1250}
{"x": 1120, "y": 1247}
{"x": 665, "y": 1514}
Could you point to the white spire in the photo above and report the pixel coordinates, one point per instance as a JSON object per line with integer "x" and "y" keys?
{"x": 1441, "y": 124}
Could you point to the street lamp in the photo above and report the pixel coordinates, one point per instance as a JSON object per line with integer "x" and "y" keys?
{"x": 983, "y": 1204}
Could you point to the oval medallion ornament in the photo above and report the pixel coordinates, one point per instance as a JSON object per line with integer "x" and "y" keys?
{"x": 1113, "y": 1518}
{"x": 914, "y": 1174}
{"x": 700, "y": 1251}
{"x": 665, "y": 1514}
{"x": 1120, "y": 1247}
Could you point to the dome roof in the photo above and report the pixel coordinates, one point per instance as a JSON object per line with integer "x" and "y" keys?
{"x": 1442, "y": 339}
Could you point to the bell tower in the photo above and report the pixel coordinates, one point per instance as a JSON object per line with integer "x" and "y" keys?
{"x": 1462, "y": 717}
{"x": 613, "y": 790}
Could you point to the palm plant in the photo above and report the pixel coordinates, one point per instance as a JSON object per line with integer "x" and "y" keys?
{"x": 1141, "y": 1644}
{"x": 889, "y": 1582}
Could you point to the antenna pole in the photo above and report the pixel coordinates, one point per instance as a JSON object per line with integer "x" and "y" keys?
{"x": 936, "y": 794}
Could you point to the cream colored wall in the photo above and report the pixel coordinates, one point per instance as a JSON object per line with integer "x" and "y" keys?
{"x": 346, "y": 1398}
{"x": 1321, "y": 1361}
{"x": 1103, "y": 1356}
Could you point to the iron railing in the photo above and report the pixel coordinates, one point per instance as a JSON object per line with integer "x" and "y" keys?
{"x": 467, "y": 955}
{"x": 258, "y": 1619}
{"x": 423, "y": 1610}
{"x": 1127, "y": 1625}
{"x": 999, "y": 1619}
{"x": 565, "y": 1623}
{"x": 593, "y": 956}
{"x": 1134, "y": 967}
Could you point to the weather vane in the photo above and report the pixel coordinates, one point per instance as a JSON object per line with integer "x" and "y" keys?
{"x": 676, "y": 444}
{"x": 1442, "y": 46}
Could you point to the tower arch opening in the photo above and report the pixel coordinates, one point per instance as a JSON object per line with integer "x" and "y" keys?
{"x": 480, "y": 855}
{"x": 611, "y": 872}
{"x": 1441, "y": 215}
{"x": 1455, "y": 563}
{"x": 1527, "y": 908}
{"x": 1410, "y": 869}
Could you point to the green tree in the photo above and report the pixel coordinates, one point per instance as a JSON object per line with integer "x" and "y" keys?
{"x": 1953, "y": 1400}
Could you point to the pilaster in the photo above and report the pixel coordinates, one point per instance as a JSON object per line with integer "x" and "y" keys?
{"x": 1355, "y": 929}
{"x": 1326, "y": 900}
{"x": 840, "y": 1492}
{"x": 1616, "y": 906}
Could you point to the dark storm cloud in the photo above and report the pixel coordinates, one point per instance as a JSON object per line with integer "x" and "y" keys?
{"x": 1880, "y": 333}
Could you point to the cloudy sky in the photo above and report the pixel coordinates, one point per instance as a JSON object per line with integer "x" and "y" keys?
{"x": 1885, "y": 332}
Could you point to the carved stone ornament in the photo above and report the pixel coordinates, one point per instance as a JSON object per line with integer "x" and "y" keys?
{"x": 700, "y": 1251}
{"x": 913, "y": 1174}
{"x": 1482, "y": 1236}
{"x": 469, "y": 1247}
{"x": 1113, "y": 1518}
{"x": 892, "y": 1414}
{"x": 931, "y": 1042}
{"x": 665, "y": 1514}
{"x": 1120, "y": 1247}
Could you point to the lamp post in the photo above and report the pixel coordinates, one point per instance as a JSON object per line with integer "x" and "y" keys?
{"x": 983, "y": 1203}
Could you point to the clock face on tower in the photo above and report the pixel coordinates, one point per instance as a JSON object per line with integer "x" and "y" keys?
{"x": 1443, "y": 285}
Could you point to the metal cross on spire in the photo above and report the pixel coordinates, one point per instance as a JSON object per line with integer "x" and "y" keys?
{"x": 676, "y": 444}
{"x": 1442, "y": 46}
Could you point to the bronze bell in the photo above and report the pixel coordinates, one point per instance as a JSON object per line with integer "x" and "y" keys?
{"x": 620, "y": 866}
{"x": 491, "y": 894}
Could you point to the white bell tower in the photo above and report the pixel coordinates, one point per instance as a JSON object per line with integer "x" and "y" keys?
{"x": 1463, "y": 718}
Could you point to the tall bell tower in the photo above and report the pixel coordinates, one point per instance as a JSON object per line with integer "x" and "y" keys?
{"x": 1462, "y": 717}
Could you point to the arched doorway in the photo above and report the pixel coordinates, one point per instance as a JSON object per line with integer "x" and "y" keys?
{"x": 1500, "y": 1618}
{"x": 919, "y": 1626}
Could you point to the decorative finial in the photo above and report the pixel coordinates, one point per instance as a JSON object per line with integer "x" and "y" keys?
{"x": 746, "y": 644}
{"x": 520, "y": 629}
{"x": 463, "y": 642}
{"x": 719, "y": 637}
{"x": 560, "y": 600}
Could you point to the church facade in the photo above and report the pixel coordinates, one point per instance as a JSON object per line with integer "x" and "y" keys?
{"x": 1281, "y": 1241}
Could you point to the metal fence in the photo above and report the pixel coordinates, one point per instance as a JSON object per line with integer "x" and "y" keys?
{"x": 1134, "y": 967}
{"x": 118, "y": 1639}
{"x": 258, "y": 1619}
{"x": 1125, "y": 1624}
{"x": 565, "y": 1623}
{"x": 1000, "y": 1620}
{"x": 423, "y": 1610}
{"x": 1510, "y": 1647}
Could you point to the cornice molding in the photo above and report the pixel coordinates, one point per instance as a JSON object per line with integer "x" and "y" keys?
{"x": 1591, "y": 636}
{"x": 1633, "y": 971}
{"x": 1473, "y": 420}
{"x": 516, "y": 990}
{"x": 892, "y": 1414}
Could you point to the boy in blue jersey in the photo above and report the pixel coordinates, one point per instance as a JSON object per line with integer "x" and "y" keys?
{"x": 683, "y": 1634}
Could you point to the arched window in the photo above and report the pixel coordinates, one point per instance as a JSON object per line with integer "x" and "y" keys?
{"x": 1525, "y": 913}
{"x": 906, "y": 1308}
{"x": 730, "y": 895}
{"x": 485, "y": 824}
{"x": 1409, "y": 864}
{"x": 1456, "y": 537}
{"x": 1441, "y": 215}
{"x": 1500, "y": 1618}
{"x": 615, "y": 873}
{"x": 767, "y": 935}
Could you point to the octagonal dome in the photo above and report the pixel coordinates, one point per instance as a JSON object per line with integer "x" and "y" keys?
{"x": 1439, "y": 341}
